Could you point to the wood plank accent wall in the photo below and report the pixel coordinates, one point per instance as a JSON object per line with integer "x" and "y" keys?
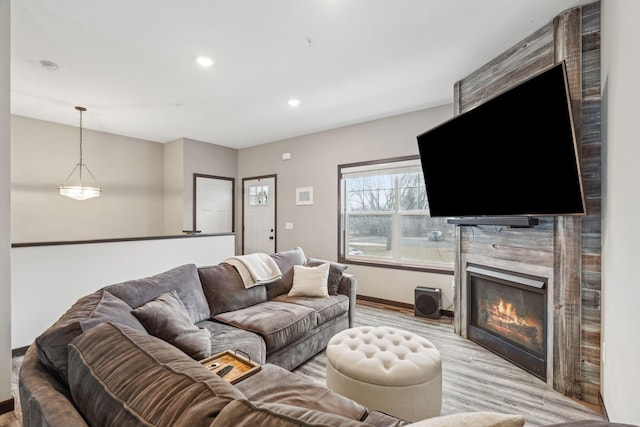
{"x": 564, "y": 249}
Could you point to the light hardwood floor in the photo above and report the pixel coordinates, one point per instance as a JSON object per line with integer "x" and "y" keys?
{"x": 473, "y": 379}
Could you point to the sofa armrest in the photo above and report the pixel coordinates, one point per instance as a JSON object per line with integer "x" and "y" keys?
{"x": 44, "y": 399}
{"x": 348, "y": 285}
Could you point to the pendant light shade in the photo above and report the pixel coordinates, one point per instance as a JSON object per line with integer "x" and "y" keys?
{"x": 74, "y": 187}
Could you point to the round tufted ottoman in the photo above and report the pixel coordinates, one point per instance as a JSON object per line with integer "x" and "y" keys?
{"x": 386, "y": 369}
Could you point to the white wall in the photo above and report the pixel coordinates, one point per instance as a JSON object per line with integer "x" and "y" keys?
{"x": 47, "y": 280}
{"x": 314, "y": 163}
{"x": 621, "y": 210}
{"x": 129, "y": 170}
{"x": 5, "y": 200}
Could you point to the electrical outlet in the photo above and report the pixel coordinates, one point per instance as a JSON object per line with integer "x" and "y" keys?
{"x": 288, "y": 226}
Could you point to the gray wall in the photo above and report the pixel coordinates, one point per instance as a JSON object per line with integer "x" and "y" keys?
{"x": 314, "y": 163}
{"x": 621, "y": 209}
{"x": 129, "y": 170}
{"x": 207, "y": 159}
{"x": 173, "y": 187}
{"x": 147, "y": 186}
{"x": 5, "y": 200}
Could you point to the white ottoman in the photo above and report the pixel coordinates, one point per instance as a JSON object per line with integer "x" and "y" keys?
{"x": 386, "y": 369}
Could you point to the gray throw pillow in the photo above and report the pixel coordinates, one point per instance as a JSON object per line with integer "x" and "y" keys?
{"x": 184, "y": 280}
{"x": 335, "y": 273}
{"x": 111, "y": 309}
{"x": 166, "y": 318}
{"x": 285, "y": 261}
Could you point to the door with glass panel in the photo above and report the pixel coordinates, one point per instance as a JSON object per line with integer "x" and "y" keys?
{"x": 259, "y": 214}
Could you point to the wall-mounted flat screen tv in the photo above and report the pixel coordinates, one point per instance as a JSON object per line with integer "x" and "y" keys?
{"x": 513, "y": 155}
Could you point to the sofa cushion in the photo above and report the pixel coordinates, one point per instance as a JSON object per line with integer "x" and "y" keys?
{"x": 293, "y": 321}
{"x": 121, "y": 376}
{"x": 285, "y": 261}
{"x": 224, "y": 289}
{"x": 273, "y": 384}
{"x": 227, "y": 337}
{"x": 85, "y": 313}
{"x": 242, "y": 413}
{"x": 310, "y": 281}
{"x": 326, "y": 308}
{"x": 183, "y": 279}
{"x": 166, "y": 318}
{"x": 335, "y": 273}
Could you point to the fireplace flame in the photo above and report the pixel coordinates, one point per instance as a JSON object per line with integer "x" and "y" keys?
{"x": 506, "y": 312}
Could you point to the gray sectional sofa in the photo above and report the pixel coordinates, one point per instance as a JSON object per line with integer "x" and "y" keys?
{"x": 196, "y": 311}
{"x": 127, "y": 355}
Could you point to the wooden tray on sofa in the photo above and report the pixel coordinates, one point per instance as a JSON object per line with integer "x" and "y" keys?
{"x": 242, "y": 367}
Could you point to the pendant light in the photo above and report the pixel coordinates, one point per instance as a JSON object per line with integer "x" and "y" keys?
{"x": 79, "y": 191}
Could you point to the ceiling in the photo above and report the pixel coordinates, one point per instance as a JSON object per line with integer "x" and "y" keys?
{"x": 133, "y": 63}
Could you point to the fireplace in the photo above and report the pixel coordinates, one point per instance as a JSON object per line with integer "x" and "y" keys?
{"x": 507, "y": 314}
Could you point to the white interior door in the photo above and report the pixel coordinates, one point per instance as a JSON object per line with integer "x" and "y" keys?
{"x": 259, "y": 215}
{"x": 213, "y": 204}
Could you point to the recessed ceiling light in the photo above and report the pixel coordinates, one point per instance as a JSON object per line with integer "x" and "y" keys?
{"x": 204, "y": 61}
{"x": 294, "y": 102}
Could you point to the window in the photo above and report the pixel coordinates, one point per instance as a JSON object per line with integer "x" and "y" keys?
{"x": 258, "y": 195}
{"x": 384, "y": 217}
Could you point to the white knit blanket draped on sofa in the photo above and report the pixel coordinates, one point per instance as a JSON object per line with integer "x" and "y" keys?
{"x": 255, "y": 269}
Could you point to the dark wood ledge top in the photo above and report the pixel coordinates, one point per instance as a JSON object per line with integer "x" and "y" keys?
{"x": 122, "y": 239}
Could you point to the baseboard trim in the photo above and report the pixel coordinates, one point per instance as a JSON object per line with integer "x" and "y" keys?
{"x": 7, "y": 406}
{"x": 602, "y": 407}
{"x": 447, "y": 313}
{"x": 19, "y": 352}
{"x": 404, "y": 305}
{"x": 385, "y": 302}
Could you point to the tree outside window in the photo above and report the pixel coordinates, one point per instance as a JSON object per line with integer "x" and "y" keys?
{"x": 385, "y": 216}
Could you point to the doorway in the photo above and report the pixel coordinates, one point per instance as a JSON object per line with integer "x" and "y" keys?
{"x": 259, "y": 214}
{"x": 213, "y": 207}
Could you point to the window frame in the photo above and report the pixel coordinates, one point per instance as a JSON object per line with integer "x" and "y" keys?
{"x": 396, "y": 218}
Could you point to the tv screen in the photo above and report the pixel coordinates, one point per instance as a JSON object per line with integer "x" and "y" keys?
{"x": 513, "y": 155}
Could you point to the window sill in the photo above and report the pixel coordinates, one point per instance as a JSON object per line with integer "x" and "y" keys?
{"x": 409, "y": 267}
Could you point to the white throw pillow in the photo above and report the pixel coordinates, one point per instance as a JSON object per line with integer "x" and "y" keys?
{"x": 472, "y": 419}
{"x": 310, "y": 281}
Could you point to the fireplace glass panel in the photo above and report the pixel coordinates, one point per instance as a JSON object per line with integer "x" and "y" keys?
{"x": 511, "y": 312}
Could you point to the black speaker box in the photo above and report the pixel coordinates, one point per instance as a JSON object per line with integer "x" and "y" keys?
{"x": 427, "y": 302}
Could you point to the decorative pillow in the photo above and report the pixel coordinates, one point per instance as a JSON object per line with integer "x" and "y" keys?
{"x": 184, "y": 280}
{"x": 285, "y": 261}
{"x": 335, "y": 273}
{"x": 225, "y": 291}
{"x": 310, "y": 281}
{"x": 122, "y": 377}
{"x": 472, "y": 419}
{"x": 111, "y": 309}
{"x": 166, "y": 318}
